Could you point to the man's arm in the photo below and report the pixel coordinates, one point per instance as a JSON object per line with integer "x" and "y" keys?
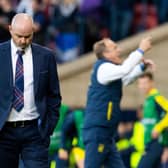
{"x": 53, "y": 93}
{"x": 138, "y": 70}
{"x": 108, "y": 72}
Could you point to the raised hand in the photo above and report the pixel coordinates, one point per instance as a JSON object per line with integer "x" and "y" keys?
{"x": 145, "y": 43}
{"x": 149, "y": 64}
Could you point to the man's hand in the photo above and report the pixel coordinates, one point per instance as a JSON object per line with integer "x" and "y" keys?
{"x": 164, "y": 156}
{"x": 145, "y": 44}
{"x": 149, "y": 64}
{"x": 63, "y": 154}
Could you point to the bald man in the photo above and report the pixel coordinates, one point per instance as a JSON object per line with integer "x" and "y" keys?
{"x": 29, "y": 97}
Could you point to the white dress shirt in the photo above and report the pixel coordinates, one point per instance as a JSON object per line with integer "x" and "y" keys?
{"x": 29, "y": 111}
{"x": 128, "y": 71}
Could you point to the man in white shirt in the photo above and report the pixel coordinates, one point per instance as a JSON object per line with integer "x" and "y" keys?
{"x": 103, "y": 100}
{"x": 30, "y": 97}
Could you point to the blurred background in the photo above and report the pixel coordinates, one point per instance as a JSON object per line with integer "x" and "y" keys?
{"x": 71, "y": 27}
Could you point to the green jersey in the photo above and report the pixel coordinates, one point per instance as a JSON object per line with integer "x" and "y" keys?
{"x": 154, "y": 110}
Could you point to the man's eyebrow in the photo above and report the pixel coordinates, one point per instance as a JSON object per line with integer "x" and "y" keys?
{"x": 19, "y": 35}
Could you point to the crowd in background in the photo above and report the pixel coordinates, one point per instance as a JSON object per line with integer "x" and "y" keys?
{"x": 70, "y": 27}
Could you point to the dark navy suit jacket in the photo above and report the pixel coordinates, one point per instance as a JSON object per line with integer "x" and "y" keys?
{"x": 46, "y": 86}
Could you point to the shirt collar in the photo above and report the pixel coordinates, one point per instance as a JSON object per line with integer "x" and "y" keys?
{"x": 152, "y": 92}
{"x": 15, "y": 48}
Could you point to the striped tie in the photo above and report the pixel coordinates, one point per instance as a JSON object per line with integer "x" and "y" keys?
{"x": 18, "y": 101}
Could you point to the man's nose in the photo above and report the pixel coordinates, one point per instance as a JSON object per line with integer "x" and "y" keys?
{"x": 23, "y": 40}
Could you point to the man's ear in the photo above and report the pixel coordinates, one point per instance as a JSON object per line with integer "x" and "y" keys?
{"x": 34, "y": 28}
{"x": 10, "y": 29}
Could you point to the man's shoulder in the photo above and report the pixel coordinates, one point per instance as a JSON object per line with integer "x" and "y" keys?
{"x": 43, "y": 52}
{"x": 41, "y": 48}
{"x": 4, "y": 44}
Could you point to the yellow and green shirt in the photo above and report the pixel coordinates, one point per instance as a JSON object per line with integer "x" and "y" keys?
{"x": 155, "y": 115}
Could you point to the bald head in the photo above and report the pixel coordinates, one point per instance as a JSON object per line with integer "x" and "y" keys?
{"x": 21, "y": 29}
{"x": 100, "y": 46}
{"x": 22, "y": 21}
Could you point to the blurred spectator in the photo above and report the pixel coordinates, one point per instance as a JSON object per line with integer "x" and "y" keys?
{"x": 56, "y": 139}
{"x": 15, "y": 3}
{"x": 155, "y": 121}
{"x": 64, "y": 28}
{"x": 72, "y": 132}
{"x": 6, "y": 15}
{"x": 48, "y": 9}
{"x": 130, "y": 138}
{"x": 119, "y": 16}
{"x": 91, "y": 12}
{"x": 25, "y": 6}
{"x": 162, "y": 10}
{"x": 145, "y": 16}
{"x": 40, "y": 22}
{"x": 71, "y": 27}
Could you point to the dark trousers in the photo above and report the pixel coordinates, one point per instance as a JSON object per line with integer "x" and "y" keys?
{"x": 25, "y": 143}
{"x": 151, "y": 158}
{"x": 101, "y": 150}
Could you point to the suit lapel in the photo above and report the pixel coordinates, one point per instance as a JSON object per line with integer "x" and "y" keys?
{"x": 36, "y": 66}
{"x": 6, "y": 55}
